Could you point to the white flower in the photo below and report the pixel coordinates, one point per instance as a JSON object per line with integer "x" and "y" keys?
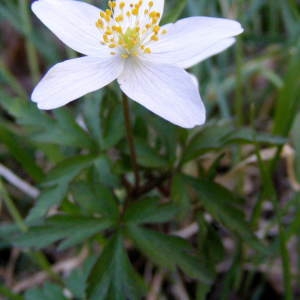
{"x": 126, "y": 43}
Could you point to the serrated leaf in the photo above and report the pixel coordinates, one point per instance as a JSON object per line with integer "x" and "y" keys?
{"x": 149, "y": 210}
{"x": 169, "y": 251}
{"x": 69, "y": 168}
{"x": 113, "y": 277}
{"x": 249, "y": 136}
{"x": 94, "y": 198}
{"x": 104, "y": 173}
{"x": 114, "y": 127}
{"x": 19, "y": 148}
{"x": 179, "y": 194}
{"x": 76, "y": 282}
{"x": 69, "y": 125}
{"x": 49, "y": 291}
{"x": 75, "y": 229}
{"x": 47, "y": 199}
{"x": 222, "y": 205}
{"x": 65, "y": 131}
{"x": 208, "y": 138}
{"x": 91, "y": 107}
{"x": 167, "y": 137}
{"x": 148, "y": 157}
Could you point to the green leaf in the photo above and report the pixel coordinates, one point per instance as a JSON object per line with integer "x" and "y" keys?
{"x": 249, "y": 136}
{"x": 47, "y": 199}
{"x": 222, "y": 205}
{"x": 169, "y": 251}
{"x": 5, "y": 291}
{"x": 148, "y": 157}
{"x": 288, "y": 98}
{"x": 175, "y": 12}
{"x": 210, "y": 244}
{"x": 94, "y": 198}
{"x": 91, "y": 107}
{"x": 74, "y": 229}
{"x": 180, "y": 196}
{"x": 76, "y": 282}
{"x": 68, "y": 169}
{"x": 210, "y": 137}
{"x": 149, "y": 210}
{"x": 218, "y": 135}
{"x": 20, "y": 149}
{"x": 296, "y": 143}
{"x": 65, "y": 131}
{"x": 104, "y": 172}
{"x": 167, "y": 137}
{"x": 113, "y": 277}
{"x": 49, "y": 291}
{"x": 114, "y": 127}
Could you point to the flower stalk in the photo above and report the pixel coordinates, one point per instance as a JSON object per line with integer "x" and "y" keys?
{"x": 130, "y": 139}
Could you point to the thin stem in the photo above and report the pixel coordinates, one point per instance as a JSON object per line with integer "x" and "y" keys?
{"x": 30, "y": 49}
{"x": 12, "y": 208}
{"x": 130, "y": 140}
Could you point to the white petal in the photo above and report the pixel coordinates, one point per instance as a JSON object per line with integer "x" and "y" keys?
{"x": 212, "y": 50}
{"x": 167, "y": 91}
{"x": 193, "y": 39}
{"x": 74, "y": 78}
{"x": 194, "y": 80}
{"x": 73, "y": 22}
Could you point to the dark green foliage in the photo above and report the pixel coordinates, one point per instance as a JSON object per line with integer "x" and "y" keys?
{"x": 216, "y": 212}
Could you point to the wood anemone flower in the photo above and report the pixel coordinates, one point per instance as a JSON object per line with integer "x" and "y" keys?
{"x": 125, "y": 42}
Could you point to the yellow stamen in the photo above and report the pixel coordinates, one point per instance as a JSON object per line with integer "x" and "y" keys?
{"x": 132, "y": 39}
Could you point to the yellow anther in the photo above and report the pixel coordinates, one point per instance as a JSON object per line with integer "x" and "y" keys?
{"x": 100, "y": 24}
{"x": 132, "y": 39}
{"x": 154, "y": 37}
{"x": 108, "y": 31}
{"x": 117, "y": 29}
{"x": 108, "y": 12}
{"x": 152, "y": 14}
{"x": 135, "y": 11}
{"x": 119, "y": 18}
{"x": 156, "y": 28}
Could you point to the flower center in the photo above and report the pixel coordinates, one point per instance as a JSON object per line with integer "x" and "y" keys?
{"x": 128, "y": 28}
